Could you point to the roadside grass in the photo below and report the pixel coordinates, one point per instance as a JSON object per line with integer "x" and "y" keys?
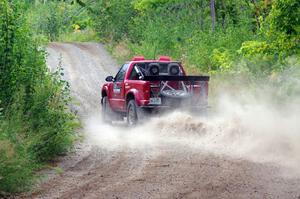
{"x": 58, "y": 170}
{"x": 28, "y": 142}
{"x": 80, "y": 36}
{"x": 119, "y": 51}
{"x": 16, "y": 165}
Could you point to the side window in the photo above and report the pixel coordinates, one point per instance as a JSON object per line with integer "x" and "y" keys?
{"x": 121, "y": 74}
{"x": 133, "y": 75}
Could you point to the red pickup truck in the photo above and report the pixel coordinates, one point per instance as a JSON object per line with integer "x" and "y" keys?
{"x": 145, "y": 86}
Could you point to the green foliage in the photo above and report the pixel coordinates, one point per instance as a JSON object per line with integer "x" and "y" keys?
{"x": 16, "y": 172}
{"x": 36, "y": 124}
{"x": 16, "y": 165}
{"x": 222, "y": 58}
{"x": 52, "y": 127}
{"x": 261, "y": 34}
{"x": 180, "y": 29}
{"x": 250, "y": 48}
{"x": 280, "y": 32}
{"x": 87, "y": 35}
{"x": 6, "y": 50}
{"x": 52, "y": 19}
{"x": 285, "y": 17}
{"x": 113, "y": 18}
{"x": 146, "y": 4}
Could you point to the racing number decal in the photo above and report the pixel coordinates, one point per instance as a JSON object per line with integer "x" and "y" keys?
{"x": 117, "y": 88}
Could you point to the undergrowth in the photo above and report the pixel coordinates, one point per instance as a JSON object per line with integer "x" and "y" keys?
{"x": 36, "y": 124}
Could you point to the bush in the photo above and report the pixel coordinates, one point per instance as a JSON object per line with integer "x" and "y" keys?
{"x": 53, "y": 19}
{"x": 113, "y": 18}
{"x": 36, "y": 124}
{"x": 51, "y": 123}
{"x": 16, "y": 165}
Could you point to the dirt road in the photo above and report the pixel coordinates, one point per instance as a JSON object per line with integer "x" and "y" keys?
{"x": 159, "y": 160}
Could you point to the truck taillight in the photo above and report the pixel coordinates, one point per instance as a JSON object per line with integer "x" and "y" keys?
{"x": 154, "y": 89}
{"x": 155, "y": 84}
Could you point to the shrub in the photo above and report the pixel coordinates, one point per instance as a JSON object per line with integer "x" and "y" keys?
{"x": 36, "y": 124}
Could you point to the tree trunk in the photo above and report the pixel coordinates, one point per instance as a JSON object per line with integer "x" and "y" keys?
{"x": 201, "y": 17}
{"x": 256, "y": 13}
{"x": 213, "y": 15}
{"x": 223, "y": 14}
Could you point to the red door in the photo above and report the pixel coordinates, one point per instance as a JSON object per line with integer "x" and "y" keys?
{"x": 118, "y": 90}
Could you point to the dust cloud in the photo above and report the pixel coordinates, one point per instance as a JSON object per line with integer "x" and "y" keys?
{"x": 248, "y": 126}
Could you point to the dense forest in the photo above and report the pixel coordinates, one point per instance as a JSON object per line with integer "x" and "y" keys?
{"x": 254, "y": 39}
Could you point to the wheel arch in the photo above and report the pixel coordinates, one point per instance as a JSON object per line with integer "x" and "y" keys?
{"x": 104, "y": 93}
{"x": 130, "y": 96}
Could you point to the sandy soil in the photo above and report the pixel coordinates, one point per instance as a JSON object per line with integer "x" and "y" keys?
{"x": 114, "y": 162}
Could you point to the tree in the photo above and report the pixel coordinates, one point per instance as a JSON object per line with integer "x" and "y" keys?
{"x": 285, "y": 17}
{"x": 213, "y": 14}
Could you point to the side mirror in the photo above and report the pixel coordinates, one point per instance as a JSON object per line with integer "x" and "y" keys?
{"x": 109, "y": 79}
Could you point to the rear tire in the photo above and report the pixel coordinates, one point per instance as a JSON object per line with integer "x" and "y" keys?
{"x": 132, "y": 113}
{"x": 135, "y": 114}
